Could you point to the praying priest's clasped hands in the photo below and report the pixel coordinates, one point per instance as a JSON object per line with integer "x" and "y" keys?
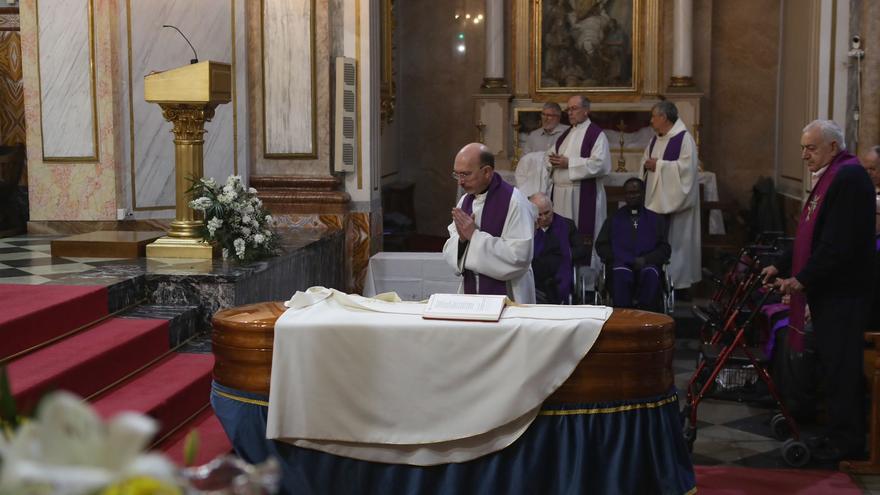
{"x": 464, "y": 223}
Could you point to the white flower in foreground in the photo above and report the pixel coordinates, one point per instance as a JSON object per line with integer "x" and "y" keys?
{"x": 214, "y": 224}
{"x": 68, "y": 450}
{"x": 225, "y": 253}
{"x": 270, "y": 220}
{"x": 233, "y": 181}
{"x": 252, "y": 190}
{"x": 245, "y": 219}
{"x": 258, "y": 239}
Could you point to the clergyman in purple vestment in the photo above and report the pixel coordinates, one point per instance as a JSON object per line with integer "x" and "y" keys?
{"x": 490, "y": 237}
{"x": 830, "y": 270}
{"x": 633, "y": 246}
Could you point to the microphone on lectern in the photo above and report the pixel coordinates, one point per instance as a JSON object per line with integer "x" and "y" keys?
{"x": 193, "y": 60}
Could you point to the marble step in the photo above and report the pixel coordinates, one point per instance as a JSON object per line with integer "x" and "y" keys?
{"x": 183, "y": 321}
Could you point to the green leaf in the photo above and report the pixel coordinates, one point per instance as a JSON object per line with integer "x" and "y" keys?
{"x": 8, "y": 410}
{"x": 191, "y": 447}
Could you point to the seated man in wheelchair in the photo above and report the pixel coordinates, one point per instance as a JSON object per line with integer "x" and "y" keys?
{"x": 558, "y": 247}
{"x": 633, "y": 244}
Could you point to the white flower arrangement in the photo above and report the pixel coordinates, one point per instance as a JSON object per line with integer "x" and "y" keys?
{"x": 235, "y": 219}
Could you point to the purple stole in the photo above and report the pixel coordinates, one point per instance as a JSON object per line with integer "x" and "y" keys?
{"x": 803, "y": 243}
{"x": 673, "y": 148}
{"x": 491, "y": 222}
{"x": 628, "y": 243}
{"x": 558, "y": 229}
{"x": 587, "y": 204}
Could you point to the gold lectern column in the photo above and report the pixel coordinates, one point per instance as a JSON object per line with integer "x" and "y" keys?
{"x": 184, "y": 237}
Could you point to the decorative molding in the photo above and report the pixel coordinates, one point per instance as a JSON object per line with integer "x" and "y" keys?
{"x": 188, "y": 122}
{"x": 284, "y": 61}
{"x": 10, "y": 21}
{"x": 301, "y": 194}
{"x": 94, "y": 157}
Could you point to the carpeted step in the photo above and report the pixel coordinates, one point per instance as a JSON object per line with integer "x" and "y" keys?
{"x": 183, "y": 321}
{"x": 170, "y": 391}
{"x": 212, "y": 442}
{"x": 33, "y": 314}
{"x": 88, "y": 361}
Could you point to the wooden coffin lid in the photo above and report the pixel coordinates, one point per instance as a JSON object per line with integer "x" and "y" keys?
{"x": 632, "y": 358}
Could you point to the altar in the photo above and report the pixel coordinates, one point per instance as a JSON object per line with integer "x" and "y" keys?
{"x": 358, "y": 395}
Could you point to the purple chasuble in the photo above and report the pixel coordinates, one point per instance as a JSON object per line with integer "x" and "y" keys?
{"x": 491, "y": 222}
{"x": 673, "y": 148}
{"x": 587, "y": 204}
{"x": 629, "y": 243}
{"x": 803, "y": 242}
{"x": 558, "y": 229}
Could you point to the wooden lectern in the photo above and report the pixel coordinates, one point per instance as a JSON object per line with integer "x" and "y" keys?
{"x": 188, "y": 96}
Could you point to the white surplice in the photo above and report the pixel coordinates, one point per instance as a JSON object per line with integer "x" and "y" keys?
{"x": 673, "y": 189}
{"x": 567, "y": 182}
{"x": 533, "y": 173}
{"x": 508, "y": 257}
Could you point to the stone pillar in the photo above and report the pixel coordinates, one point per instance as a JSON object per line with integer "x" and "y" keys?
{"x": 494, "y": 80}
{"x": 683, "y": 41}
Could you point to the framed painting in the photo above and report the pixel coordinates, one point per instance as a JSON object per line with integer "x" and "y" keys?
{"x": 587, "y": 46}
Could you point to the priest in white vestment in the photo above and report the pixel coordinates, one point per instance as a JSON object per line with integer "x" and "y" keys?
{"x": 491, "y": 235}
{"x": 580, "y": 159}
{"x": 669, "y": 166}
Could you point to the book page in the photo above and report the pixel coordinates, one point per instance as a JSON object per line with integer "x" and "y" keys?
{"x": 465, "y": 307}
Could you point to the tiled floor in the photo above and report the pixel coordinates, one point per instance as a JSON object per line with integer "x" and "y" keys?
{"x": 728, "y": 432}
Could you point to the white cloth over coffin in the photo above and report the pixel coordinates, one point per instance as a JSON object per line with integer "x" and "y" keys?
{"x": 371, "y": 379}
{"x": 508, "y": 257}
{"x": 673, "y": 189}
{"x": 533, "y": 173}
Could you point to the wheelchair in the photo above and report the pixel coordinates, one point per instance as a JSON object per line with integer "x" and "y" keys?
{"x": 602, "y": 293}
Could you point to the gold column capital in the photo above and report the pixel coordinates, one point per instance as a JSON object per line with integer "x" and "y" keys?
{"x": 188, "y": 120}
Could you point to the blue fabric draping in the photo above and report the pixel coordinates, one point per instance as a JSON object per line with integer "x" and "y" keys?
{"x": 628, "y": 447}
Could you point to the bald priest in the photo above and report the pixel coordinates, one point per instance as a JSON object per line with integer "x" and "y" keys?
{"x": 491, "y": 235}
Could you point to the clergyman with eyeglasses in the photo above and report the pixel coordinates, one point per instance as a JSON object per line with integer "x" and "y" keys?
{"x": 542, "y": 138}
{"x": 491, "y": 235}
{"x": 579, "y": 161}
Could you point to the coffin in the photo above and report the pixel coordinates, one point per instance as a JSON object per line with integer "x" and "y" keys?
{"x": 632, "y": 358}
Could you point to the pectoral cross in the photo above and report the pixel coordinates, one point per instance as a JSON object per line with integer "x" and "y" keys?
{"x": 814, "y": 203}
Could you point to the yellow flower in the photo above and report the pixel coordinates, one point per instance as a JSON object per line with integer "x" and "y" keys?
{"x": 141, "y": 485}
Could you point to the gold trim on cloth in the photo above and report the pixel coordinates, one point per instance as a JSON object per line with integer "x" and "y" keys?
{"x": 256, "y": 402}
{"x": 610, "y": 410}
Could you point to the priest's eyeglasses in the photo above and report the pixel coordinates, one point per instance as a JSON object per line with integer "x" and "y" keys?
{"x": 465, "y": 175}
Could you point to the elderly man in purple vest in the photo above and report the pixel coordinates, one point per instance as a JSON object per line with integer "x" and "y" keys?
{"x": 558, "y": 247}
{"x": 633, "y": 243}
{"x": 580, "y": 159}
{"x": 669, "y": 167}
{"x": 830, "y": 269}
{"x": 490, "y": 237}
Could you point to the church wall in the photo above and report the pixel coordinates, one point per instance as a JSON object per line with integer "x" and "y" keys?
{"x": 75, "y": 187}
{"x": 869, "y": 126}
{"x": 217, "y": 31}
{"x": 284, "y": 57}
{"x": 435, "y": 106}
{"x": 741, "y": 99}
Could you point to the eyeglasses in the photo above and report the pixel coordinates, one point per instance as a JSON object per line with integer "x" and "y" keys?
{"x": 465, "y": 175}
{"x": 573, "y": 109}
{"x": 548, "y": 115}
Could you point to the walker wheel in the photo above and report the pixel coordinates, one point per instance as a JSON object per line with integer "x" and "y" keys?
{"x": 795, "y": 453}
{"x": 781, "y": 428}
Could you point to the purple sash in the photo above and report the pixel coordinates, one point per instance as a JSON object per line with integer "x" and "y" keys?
{"x": 631, "y": 243}
{"x": 587, "y": 204}
{"x": 803, "y": 243}
{"x": 673, "y": 148}
{"x": 491, "y": 222}
{"x": 559, "y": 229}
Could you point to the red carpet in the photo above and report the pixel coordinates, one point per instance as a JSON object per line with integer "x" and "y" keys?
{"x": 32, "y": 314}
{"x": 735, "y": 480}
{"x": 212, "y": 440}
{"x": 175, "y": 390}
{"x": 88, "y": 361}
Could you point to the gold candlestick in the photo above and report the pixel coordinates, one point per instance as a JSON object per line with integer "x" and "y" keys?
{"x": 481, "y": 129}
{"x": 621, "y": 161}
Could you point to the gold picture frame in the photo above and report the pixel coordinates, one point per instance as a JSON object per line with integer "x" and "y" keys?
{"x": 590, "y": 46}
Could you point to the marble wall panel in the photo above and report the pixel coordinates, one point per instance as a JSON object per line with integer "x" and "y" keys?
{"x": 66, "y": 78}
{"x": 216, "y": 30}
{"x": 288, "y": 77}
{"x": 65, "y": 190}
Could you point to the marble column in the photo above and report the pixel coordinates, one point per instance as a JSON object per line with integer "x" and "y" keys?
{"x": 494, "y": 79}
{"x": 683, "y": 41}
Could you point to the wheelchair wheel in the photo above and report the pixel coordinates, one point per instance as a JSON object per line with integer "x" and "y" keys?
{"x": 795, "y": 453}
{"x": 781, "y": 428}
